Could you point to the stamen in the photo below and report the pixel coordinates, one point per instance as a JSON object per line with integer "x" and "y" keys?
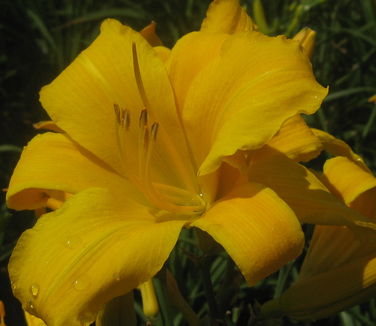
{"x": 137, "y": 75}
{"x": 146, "y": 139}
{"x": 123, "y": 117}
{"x": 186, "y": 205}
{"x": 154, "y": 131}
{"x": 174, "y": 201}
{"x": 143, "y": 120}
{"x": 127, "y": 119}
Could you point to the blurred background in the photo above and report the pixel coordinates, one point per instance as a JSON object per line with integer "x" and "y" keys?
{"x": 39, "y": 38}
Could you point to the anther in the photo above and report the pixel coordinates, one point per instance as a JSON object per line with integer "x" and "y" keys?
{"x": 143, "y": 121}
{"x": 154, "y": 131}
{"x": 123, "y": 116}
{"x": 125, "y": 119}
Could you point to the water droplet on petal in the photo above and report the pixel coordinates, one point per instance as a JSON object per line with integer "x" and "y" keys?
{"x": 81, "y": 284}
{"x": 30, "y": 305}
{"x": 13, "y": 285}
{"x": 116, "y": 276}
{"x": 34, "y": 289}
{"x": 73, "y": 242}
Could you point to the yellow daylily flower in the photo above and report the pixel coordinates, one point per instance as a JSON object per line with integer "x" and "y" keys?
{"x": 149, "y": 299}
{"x": 372, "y": 99}
{"x": 340, "y": 267}
{"x": 227, "y": 16}
{"x": 33, "y": 321}
{"x": 152, "y": 144}
{"x": 306, "y": 37}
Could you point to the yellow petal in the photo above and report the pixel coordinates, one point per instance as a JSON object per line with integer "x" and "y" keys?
{"x": 118, "y": 68}
{"x": 339, "y": 269}
{"x": 33, "y": 321}
{"x": 301, "y": 190}
{"x": 334, "y": 246}
{"x": 338, "y": 272}
{"x": 327, "y": 293}
{"x": 226, "y": 16}
{"x": 52, "y": 162}
{"x": 296, "y": 140}
{"x": 306, "y": 38}
{"x": 258, "y": 230}
{"x": 150, "y": 305}
{"x": 47, "y": 125}
{"x": 150, "y": 35}
{"x": 241, "y": 99}
{"x": 188, "y": 57}
{"x": 162, "y": 52}
{"x": 365, "y": 203}
{"x": 337, "y": 147}
{"x": 372, "y": 99}
{"x": 95, "y": 248}
{"x": 348, "y": 179}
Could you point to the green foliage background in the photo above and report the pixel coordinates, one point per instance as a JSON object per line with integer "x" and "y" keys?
{"x": 41, "y": 37}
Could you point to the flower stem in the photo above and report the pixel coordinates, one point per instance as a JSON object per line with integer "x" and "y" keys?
{"x": 208, "y": 287}
{"x": 160, "y": 287}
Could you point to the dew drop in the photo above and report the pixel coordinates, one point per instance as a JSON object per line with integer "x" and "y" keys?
{"x": 13, "y": 285}
{"x": 81, "y": 284}
{"x": 116, "y": 277}
{"x": 34, "y": 289}
{"x": 72, "y": 242}
{"x": 30, "y": 305}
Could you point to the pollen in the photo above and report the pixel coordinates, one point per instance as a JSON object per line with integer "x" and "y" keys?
{"x": 123, "y": 117}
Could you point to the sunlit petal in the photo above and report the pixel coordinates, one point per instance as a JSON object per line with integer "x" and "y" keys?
{"x": 192, "y": 53}
{"x": 301, "y": 190}
{"x": 256, "y": 81}
{"x": 338, "y": 147}
{"x": 94, "y": 248}
{"x": 31, "y": 320}
{"x": 306, "y": 38}
{"x": 258, "y": 230}
{"x": 226, "y": 16}
{"x": 339, "y": 269}
{"x": 347, "y": 179}
{"x": 118, "y": 68}
{"x": 296, "y": 140}
{"x": 52, "y": 162}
